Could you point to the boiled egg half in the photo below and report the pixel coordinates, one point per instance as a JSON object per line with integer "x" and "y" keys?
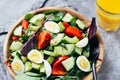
{"x": 35, "y": 56}
{"x": 83, "y": 63}
{"x": 17, "y": 66}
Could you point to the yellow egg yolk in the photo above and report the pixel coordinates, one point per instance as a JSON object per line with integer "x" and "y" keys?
{"x": 17, "y": 66}
{"x": 34, "y": 56}
{"x": 83, "y": 63}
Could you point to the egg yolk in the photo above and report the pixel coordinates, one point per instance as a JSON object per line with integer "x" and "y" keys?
{"x": 34, "y": 56}
{"x": 17, "y": 66}
{"x": 83, "y": 63}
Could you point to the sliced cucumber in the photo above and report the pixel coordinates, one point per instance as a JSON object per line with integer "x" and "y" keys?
{"x": 70, "y": 48}
{"x": 17, "y": 56}
{"x": 24, "y": 59}
{"x": 13, "y": 54}
{"x": 61, "y": 26}
{"x": 78, "y": 50}
{"x": 50, "y": 53}
{"x": 68, "y": 17}
{"x": 33, "y": 27}
{"x": 15, "y": 45}
{"x": 33, "y": 74}
{"x": 80, "y": 24}
{"x": 37, "y": 19}
{"x": 71, "y": 40}
{"x": 42, "y": 68}
{"x": 61, "y": 50}
{"x": 50, "y": 59}
{"x": 69, "y": 63}
{"x": 57, "y": 39}
{"x": 28, "y": 66}
{"x": 36, "y": 66}
{"x": 18, "y": 31}
{"x": 26, "y": 77}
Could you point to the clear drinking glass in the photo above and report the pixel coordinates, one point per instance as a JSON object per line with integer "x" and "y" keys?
{"x": 108, "y": 16}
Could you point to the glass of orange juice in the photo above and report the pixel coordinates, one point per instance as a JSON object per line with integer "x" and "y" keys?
{"x": 108, "y": 14}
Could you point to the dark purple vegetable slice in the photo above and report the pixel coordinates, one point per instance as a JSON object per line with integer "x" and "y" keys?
{"x": 29, "y": 45}
{"x": 92, "y": 29}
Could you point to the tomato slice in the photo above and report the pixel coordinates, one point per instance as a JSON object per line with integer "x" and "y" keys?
{"x": 43, "y": 39}
{"x": 66, "y": 25}
{"x": 72, "y": 31}
{"x": 15, "y": 38}
{"x": 24, "y": 24}
{"x": 58, "y": 69}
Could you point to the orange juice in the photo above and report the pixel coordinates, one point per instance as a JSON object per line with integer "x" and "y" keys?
{"x": 108, "y": 14}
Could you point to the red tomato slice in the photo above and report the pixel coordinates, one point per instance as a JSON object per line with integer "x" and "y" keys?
{"x": 58, "y": 69}
{"x": 43, "y": 39}
{"x": 15, "y": 38}
{"x": 24, "y": 24}
{"x": 72, "y": 31}
{"x": 66, "y": 25}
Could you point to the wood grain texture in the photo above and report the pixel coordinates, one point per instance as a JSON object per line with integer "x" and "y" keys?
{"x": 10, "y": 11}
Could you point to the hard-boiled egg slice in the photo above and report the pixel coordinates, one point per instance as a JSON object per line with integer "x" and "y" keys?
{"x": 17, "y": 66}
{"x": 35, "y": 56}
{"x": 82, "y": 43}
{"x": 52, "y": 27}
{"x": 83, "y": 63}
{"x": 48, "y": 69}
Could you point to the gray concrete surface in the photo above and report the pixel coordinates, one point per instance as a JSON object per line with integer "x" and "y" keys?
{"x": 11, "y": 10}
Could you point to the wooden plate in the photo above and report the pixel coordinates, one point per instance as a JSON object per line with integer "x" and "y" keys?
{"x": 75, "y": 13}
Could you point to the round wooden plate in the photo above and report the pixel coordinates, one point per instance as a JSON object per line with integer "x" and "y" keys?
{"x": 75, "y": 13}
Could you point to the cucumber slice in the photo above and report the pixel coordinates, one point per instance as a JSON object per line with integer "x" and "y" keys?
{"x": 26, "y": 77}
{"x": 42, "y": 68}
{"x": 71, "y": 40}
{"x": 15, "y": 45}
{"x": 36, "y": 66}
{"x": 24, "y": 59}
{"x": 18, "y": 31}
{"x": 68, "y": 17}
{"x": 28, "y": 66}
{"x": 37, "y": 20}
{"x": 70, "y": 48}
{"x": 80, "y": 24}
{"x": 69, "y": 63}
{"x": 50, "y": 53}
{"x": 78, "y": 50}
{"x": 17, "y": 56}
{"x": 57, "y": 39}
{"x": 33, "y": 27}
{"x": 13, "y": 54}
{"x": 61, "y": 26}
{"x": 61, "y": 50}
{"x": 50, "y": 59}
{"x": 33, "y": 74}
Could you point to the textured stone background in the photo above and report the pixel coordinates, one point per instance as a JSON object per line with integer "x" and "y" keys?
{"x": 11, "y": 10}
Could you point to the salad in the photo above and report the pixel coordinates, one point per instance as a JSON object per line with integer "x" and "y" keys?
{"x": 50, "y": 46}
